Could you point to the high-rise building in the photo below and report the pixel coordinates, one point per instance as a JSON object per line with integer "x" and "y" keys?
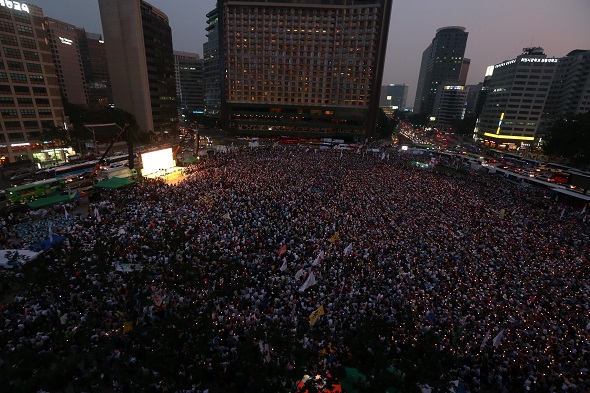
{"x": 443, "y": 64}
{"x": 63, "y": 41}
{"x": 138, "y": 42}
{"x": 212, "y": 66}
{"x": 96, "y": 69}
{"x": 517, "y": 95}
{"x": 302, "y": 67}
{"x": 570, "y": 91}
{"x": 449, "y": 104}
{"x": 189, "y": 81}
{"x": 394, "y": 96}
{"x": 419, "y": 99}
{"x": 30, "y": 100}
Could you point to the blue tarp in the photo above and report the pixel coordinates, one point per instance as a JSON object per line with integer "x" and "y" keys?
{"x": 49, "y": 242}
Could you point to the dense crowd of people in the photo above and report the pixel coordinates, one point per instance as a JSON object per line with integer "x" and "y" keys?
{"x": 193, "y": 286}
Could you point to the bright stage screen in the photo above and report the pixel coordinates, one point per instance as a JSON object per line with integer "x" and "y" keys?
{"x": 155, "y": 161}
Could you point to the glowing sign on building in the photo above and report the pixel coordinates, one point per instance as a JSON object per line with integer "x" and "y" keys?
{"x": 537, "y": 60}
{"x": 66, "y": 41}
{"x": 489, "y": 71}
{"x": 508, "y": 62}
{"x": 14, "y": 5}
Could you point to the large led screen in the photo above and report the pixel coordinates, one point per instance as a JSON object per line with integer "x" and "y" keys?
{"x": 158, "y": 160}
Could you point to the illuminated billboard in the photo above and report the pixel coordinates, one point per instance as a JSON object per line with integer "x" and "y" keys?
{"x": 158, "y": 160}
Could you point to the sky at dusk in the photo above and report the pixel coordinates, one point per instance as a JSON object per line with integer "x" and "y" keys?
{"x": 498, "y": 29}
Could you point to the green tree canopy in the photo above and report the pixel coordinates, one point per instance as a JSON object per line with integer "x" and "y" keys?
{"x": 569, "y": 138}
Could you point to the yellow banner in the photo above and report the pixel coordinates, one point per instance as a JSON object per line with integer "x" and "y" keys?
{"x": 334, "y": 238}
{"x": 313, "y": 317}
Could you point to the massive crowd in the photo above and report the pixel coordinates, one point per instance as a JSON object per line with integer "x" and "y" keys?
{"x": 194, "y": 286}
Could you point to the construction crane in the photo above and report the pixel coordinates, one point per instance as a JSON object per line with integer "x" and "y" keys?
{"x": 91, "y": 128}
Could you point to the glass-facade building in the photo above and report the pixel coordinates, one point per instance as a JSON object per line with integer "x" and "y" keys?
{"x": 442, "y": 64}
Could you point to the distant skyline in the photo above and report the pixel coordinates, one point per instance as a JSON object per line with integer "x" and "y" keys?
{"x": 498, "y": 30}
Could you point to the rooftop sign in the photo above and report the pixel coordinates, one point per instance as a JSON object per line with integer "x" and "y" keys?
{"x": 14, "y": 5}
{"x": 537, "y": 60}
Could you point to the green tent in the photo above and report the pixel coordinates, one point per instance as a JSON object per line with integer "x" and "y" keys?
{"x": 115, "y": 182}
{"x": 190, "y": 160}
{"x": 353, "y": 377}
{"x": 48, "y": 201}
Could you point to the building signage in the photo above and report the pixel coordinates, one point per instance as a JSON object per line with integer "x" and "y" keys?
{"x": 14, "y": 5}
{"x": 537, "y": 60}
{"x": 505, "y": 63}
{"x": 66, "y": 41}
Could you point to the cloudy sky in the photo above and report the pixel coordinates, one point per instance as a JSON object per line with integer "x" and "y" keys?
{"x": 498, "y": 29}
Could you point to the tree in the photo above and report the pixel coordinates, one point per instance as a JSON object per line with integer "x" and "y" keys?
{"x": 385, "y": 125}
{"x": 464, "y": 126}
{"x": 569, "y": 138}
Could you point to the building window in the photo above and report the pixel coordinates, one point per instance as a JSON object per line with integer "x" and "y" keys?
{"x": 6, "y": 101}
{"x": 25, "y": 30}
{"x": 6, "y": 26}
{"x": 40, "y": 90}
{"x": 25, "y": 101}
{"x": 22, "y": 90}
{"x": 28, "y": 43}
{"x": 8, "y": 40}
{"x": 12, "y": 125}
{"x": 32, "y": 67}
{"x": 18, "y": 78}
{"x": 12, "y": 53}
{"x": 8, "y": 113}
{"x": 31, "y": 124}
{"x": 15, "y": 65}
{"x": 37, "y": 79}
{"x": 33, "y": 56}
{"x": 27, "y": 113}
{"x": 44, "y": 112}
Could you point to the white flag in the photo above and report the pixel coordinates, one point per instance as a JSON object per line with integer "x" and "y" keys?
{"x": 284, "y": 265}
{"x": 308, "y": 283}
{"x": 383, "y": 156}
{"x": 485, "y": 339}
{"x": 50, "y": 231}
{"x": 299, "y": 273}
{"x": 226, "y": 216}
{"x": 348, "y": 249}
{"x": 563, "y": 211}
{"x": 318, "y": 259}
{"x": 584, "y": 209}
{"x": 66, "y": 212}
{"x": 498, "y": 338}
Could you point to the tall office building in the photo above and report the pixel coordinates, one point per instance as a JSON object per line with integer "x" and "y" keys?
{"x": 189, "y": 81}
{"x": 570, "y": 91}
{"x": 96, "y": 70}
{"x": 30, "y": 99}
{"x": 443, "y": 64}
{"x": 138, "y": 42}
{"x": 63, "y": 41}
{"x": 419, "y": 98}
{"x": 212, "y": 66}
{"x": 517, "y": 95}
{"x": 449, "y": 104}
{"x": 394, "y": 96}
{"x": 302, "y": 67}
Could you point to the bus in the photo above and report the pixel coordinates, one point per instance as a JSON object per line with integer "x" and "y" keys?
{"x": 27, "y": 192}
{"x": 70, "y": 170}
{"x": 118, "y": 160}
